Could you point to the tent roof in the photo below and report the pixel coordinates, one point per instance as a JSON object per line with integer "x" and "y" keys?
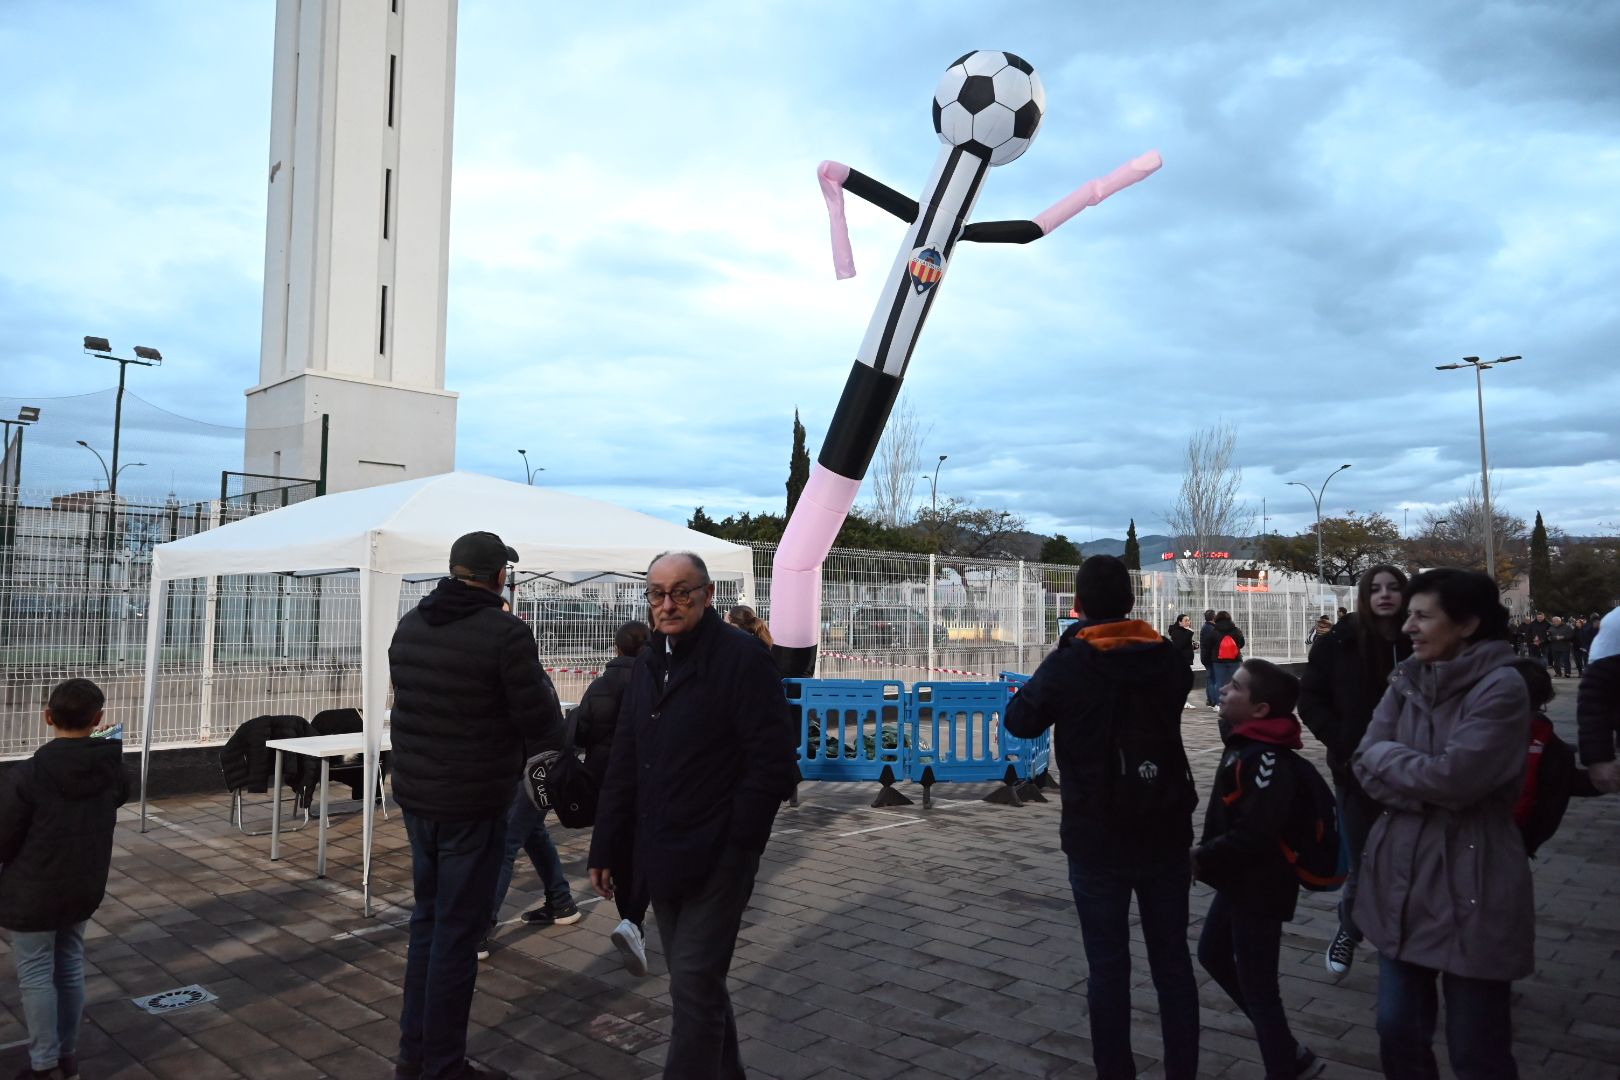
{"x": 408, "y": 527}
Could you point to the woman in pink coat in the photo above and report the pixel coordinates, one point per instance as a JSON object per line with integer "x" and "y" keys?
{"x": 1445, "y": 886}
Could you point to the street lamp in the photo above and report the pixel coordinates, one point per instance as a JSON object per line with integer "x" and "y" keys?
{"x": 933, "y": 485}
{"x": 1316, "y": 497}
{"x": 108, "y": 475}
{"x": 144, "y": 356}
{"x": 28, "y": 414}
{"x": 1484, "y": 463}
{"x": 527, "y": 471}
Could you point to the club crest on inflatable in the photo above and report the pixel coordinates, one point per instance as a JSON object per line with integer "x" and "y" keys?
{"x": 987, "y": 109}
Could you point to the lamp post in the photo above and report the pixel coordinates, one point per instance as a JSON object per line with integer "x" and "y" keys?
{"x": 528, "y": 473}
{"x": 28, "y": 414}
{"x": 1484, "y": 462}
{"x": 145, "y": 357}
{"x": 107, "y": 474}
{"x": 1316, "y": 496}
{"x": 933, "y": 486}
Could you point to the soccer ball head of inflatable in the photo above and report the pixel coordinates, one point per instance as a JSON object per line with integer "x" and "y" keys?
{"x": 989, "y": 103}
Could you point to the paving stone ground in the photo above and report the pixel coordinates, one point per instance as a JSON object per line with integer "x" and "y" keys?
{"x": 881, "y": 944}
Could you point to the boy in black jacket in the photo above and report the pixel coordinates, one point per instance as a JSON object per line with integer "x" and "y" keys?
{"x": 57, "y": 812}
{"x": 1242, "y": 859}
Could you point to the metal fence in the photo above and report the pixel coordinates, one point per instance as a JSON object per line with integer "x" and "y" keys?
{"x": 75, "y": 570}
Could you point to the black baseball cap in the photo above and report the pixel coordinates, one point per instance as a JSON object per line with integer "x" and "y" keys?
{"x": 483, "y": 553}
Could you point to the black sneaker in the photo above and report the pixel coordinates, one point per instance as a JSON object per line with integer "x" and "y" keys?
{"x": 1341, "y": 953}
{"x": 69, "y": 1064}
{"x": 483, "y": 948}
{"x": 546, "y": 915}
{"x": 471, "y": 1070}
{"x": 1307, "y": 1064}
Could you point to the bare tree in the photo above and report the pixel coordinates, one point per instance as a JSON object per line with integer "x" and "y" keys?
{"x": 896, "y": 467}
{"x": 1454, "y": 535}
{"x": 1208, "y": 515}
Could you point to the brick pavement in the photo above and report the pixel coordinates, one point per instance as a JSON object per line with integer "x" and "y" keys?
{"x": 880, "y": 944}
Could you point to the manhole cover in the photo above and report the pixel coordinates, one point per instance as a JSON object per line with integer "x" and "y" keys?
{"x": 170, "y": 1000}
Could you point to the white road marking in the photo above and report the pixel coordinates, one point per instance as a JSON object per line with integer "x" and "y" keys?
{"x": 880, "y": 828}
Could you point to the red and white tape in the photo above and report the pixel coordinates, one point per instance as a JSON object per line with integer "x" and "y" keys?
{"x": 917, "y": 667}
{"x": 573, "y": 671}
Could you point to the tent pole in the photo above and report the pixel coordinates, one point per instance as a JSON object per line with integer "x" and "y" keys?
{"x": 154, "y": 639}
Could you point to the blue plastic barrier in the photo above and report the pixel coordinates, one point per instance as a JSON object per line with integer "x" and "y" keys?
{"x": 958, "y": 732}
{"x": 849, "y": 729}
{"x": 1036, "y": 753}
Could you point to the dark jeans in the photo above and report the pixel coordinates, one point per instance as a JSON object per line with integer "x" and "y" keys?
{"x": 699, "y": 934}
{"x": 1209, "y": 684}
{"x": 1559, "y": 659}
{"x": 453, "y": 868}
{"x": 1102, "y": 896}
{"x": 1239, "y": 950}
{"x": 1580, "y": 661}
{"x": 526, "y": 831}
{"x": 1479, "y": 1024}
{"x": 1357, "y": 812}
{"x": 1223, "y": 672}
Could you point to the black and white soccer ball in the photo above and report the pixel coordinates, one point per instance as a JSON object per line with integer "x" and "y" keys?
{"x": 989, "y": 103}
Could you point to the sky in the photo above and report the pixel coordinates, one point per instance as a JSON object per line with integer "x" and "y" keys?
{"x": 642, "y": 292}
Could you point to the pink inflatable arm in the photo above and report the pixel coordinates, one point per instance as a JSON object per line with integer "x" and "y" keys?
{"x": 1093, "y": 192}
{"x": 832, "y": 176}
{"x": 796, "y": 570}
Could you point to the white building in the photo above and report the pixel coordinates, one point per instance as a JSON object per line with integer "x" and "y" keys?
{"x": 357, "y": 244}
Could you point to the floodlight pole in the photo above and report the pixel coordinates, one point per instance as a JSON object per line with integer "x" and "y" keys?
{"x": 145, "y": 357}
{"x": 1316, "y": 497}
{"x": 1484, "y": 460}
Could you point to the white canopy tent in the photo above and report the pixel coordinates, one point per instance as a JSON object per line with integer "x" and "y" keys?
{"x": 389, "y": 532}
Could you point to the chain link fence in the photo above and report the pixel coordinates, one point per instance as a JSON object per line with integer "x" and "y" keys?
{"x": 75, "y": 570}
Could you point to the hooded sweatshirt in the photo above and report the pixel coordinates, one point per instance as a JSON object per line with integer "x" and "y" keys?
{"x": 57, "y": 812}
{"x": 1103, "y": 673}
{"x": 1249, "y": 810}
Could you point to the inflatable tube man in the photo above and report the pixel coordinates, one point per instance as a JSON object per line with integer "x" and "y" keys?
{"x": 987, "y": 110}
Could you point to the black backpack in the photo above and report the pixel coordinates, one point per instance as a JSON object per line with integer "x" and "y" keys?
{"x": 1145, "y": 774}
{"x": 1311, "y": 842}
{"x": 556, "y": 780}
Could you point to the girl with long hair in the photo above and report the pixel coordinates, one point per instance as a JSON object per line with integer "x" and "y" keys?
{"x": 1347, "y": 673}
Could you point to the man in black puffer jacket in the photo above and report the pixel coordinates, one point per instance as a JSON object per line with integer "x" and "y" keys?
{"x": 471, "y": 702}
{"x": 57, "y": 813}
{"x": 702, "y": 758}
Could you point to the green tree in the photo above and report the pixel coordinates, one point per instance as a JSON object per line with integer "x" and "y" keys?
{"x": 1584, "y": 578}
{"x": 1353, "y": 543}
{"x": 703, "y": 523}
{"x": 1061, "y": 551}
{"x": 1133, "y": 550}
{"x": 1296, "y": 553}
{"x": 1541, "y": 575}
{"x": 798, "y": 466}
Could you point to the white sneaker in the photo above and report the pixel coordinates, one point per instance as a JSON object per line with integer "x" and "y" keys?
{"x": 632, "y": 947}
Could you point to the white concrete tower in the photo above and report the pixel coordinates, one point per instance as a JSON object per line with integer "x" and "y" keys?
{"x": 357, "y": 244}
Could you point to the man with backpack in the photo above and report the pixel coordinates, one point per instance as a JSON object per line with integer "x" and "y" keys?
{"x": 1114, "y": 689}
{"x": 1226, "y": 650}
{"x": 1207, "y": 641}
{"x": 1259, "y": 814}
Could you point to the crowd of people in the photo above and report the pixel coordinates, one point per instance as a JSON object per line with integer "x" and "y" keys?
{"x": 1428, "y": 699}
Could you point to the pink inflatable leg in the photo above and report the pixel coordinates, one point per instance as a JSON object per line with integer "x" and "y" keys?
{"x": 796, "y": 571}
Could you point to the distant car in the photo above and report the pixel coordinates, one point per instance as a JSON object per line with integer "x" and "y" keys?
{"x": 567, "y": 625}
{"x": 892, "y": 627}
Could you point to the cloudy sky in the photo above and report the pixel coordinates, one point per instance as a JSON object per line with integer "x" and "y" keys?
{"x": 641, "y": 290}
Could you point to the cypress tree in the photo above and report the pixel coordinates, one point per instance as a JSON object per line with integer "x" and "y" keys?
{"x": 1541, "y": 582}
{"x": 1133, "y": 550}
{"x": 798, "y": 465}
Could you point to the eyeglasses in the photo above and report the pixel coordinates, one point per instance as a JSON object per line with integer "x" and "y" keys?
{"x": 681, "y": 594}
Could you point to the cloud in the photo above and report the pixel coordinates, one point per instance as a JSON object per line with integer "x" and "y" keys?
{"x": 640, "y": 288}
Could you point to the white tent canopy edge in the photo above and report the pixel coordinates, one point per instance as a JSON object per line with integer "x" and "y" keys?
{"x": 394, "y": 530}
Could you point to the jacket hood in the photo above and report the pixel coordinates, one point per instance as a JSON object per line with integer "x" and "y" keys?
{"x": 1129, "y": 650}
{"x": 1275, "y": 730}
{"x": 81, "y": 768}
{"x": 1225, "y": 626}
{"x": 1448, "y": 678}
{"x": 453, "y": 600}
